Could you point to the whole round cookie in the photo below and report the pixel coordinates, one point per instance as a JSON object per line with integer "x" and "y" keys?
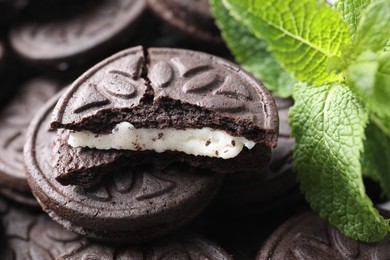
{"x": 191, "y": 17}
{"x": 133, "y": 204}
{"x": 61, "y": 34}
{"x": 14, "y": 121}
{"x": 307, "y": 236}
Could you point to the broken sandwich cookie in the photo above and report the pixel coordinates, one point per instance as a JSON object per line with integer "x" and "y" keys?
{"x": 159, "y": 107}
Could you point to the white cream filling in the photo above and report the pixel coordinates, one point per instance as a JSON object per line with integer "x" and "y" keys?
{"x": 204, "y": 141}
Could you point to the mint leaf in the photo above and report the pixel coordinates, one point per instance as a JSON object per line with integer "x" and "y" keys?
{"x": 387, "y": 47}
{"x": 379, "y": 101}
{"x": 302, "y": 35}
{"x": 363, "y": 72}
{"x": 328, "y": 124}
{"x": 373, "y": 30}
{"x": 376, "y": 157}
{"x": 251, "y": 52}
{"x": 351, "y": 11}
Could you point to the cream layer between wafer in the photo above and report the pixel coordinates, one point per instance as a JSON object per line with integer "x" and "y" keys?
{"x": 204, "y": 141}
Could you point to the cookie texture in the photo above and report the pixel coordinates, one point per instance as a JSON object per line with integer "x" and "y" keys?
{"x": 307, "y": 236}
{"x": 131, "y": 204}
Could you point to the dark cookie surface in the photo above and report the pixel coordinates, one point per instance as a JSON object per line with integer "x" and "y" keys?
{"x": 132, "y": 204}
{"x": 191, "y": 17}
{"x": 14, "y": 120}
{"x": 69, "y": 31}
{"x": 307, "y": 236}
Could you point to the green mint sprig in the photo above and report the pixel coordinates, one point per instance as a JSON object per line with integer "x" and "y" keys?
{"x": 248, "y": 50}
{"x": 340, "y": 57}
{"x": 351, "y": 11}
